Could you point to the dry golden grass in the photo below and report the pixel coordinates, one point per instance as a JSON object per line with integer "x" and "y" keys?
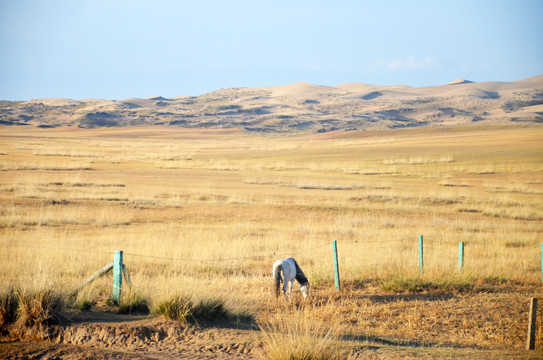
{"x": 200, "y": 213}
{"x": 300, "y": 337}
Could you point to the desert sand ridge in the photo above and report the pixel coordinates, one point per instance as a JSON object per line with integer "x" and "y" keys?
{"x": 459, "y": 81}
{"x": 300, "y": 89}
{"x": 300, "y": 107}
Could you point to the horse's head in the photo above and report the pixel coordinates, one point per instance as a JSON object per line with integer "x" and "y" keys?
{"x": 305, "y": 290}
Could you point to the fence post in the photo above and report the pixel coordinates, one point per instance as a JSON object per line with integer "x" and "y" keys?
{"x": 117, "y": 275}
{"x": 460, "y": 255}
{"x": 530, "y": 342}
{"x": 421, "y": 263}
{"x": 336, "y": 264}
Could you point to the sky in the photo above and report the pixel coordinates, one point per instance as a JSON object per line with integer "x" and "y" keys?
{"x": 118, "y": 49}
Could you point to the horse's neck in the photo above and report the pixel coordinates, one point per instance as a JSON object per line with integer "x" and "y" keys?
{"x": 300, "y": 276}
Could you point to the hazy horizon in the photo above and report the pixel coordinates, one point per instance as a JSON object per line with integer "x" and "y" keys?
{"x": 124, "y": 49}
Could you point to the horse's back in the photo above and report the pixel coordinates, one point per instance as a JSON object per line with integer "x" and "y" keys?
{"x": 288, "y": 267}
{"x": 277, "y": 263}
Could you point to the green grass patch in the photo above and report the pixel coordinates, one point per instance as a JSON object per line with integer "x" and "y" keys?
{"x": 184, "y": 309}
{"x": 400, "y": 283}
{"x": 134, "y": 304}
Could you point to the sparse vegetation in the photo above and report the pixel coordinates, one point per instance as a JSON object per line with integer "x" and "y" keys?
{"x": 212, "y": 226}
{"x": 400, "y": 283}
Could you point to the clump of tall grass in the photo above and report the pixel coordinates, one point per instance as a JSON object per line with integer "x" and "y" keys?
{"x": 184, "y": 309}
{"x": 300, "y": 338}
{"x": 176, "y": 308}
{"x": 39, "y": 307}
{"x": 134, "y": 303}
{"x": 209, "y": 309}
{"x": 9, "y": 302}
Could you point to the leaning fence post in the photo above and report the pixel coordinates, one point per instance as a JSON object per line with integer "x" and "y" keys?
{"x": 530, "y": 342}
{"x": 336, "y": 264}
{"x": 420, "y": 254}
{"x": 117, "y": 275}
{"x": 460, "y": 255}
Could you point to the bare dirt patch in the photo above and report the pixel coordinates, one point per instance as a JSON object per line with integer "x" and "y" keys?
{"x": 94, "y": 335}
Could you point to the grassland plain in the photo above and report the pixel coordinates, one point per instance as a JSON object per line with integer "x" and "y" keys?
{"x": 206, "y": 212}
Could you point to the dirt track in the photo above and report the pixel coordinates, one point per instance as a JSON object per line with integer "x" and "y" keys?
{"x": 96, "y": 335}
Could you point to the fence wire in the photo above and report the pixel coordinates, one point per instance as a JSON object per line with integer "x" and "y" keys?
{"x": 373, "y": 251}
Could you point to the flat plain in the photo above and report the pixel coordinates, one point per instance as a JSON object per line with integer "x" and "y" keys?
{"x": 205, "y": 213}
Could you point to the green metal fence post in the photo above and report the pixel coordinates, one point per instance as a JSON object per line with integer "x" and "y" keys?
{"x": 460, "y": 255}
{"x": 421, "y": 262}
{"x": 117, "y": 275}
{"x": 336, "y": 264}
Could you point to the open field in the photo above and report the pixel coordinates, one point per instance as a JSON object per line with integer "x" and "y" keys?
{"x": 207, "y": 212}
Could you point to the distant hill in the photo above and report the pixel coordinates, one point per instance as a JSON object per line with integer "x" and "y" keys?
{"x": 299, "y": 107}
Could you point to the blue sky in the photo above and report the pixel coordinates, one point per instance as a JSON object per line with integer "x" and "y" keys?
{"x": 133, "y": 48}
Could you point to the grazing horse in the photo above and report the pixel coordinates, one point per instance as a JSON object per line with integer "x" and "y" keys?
{"x": 288, "y": 270}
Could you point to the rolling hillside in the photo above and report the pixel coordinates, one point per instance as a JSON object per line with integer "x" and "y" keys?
{"x": 299, "y": 107}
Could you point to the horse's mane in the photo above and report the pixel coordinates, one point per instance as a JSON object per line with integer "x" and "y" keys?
{"x": 300, "y": 276}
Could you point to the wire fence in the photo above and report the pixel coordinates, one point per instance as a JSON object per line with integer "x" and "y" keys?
{"x": 366, "y": 253}
{"x": 357, "y": 259}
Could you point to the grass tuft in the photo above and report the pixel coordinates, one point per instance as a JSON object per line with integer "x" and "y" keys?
{"x": 134, "y": 303}
{"x": 183, "y": 309}
{"x": 209, "y": 309}
{"x": 85, "y": 305}
{"x": 9, "y": 302}
{"x": 39, "y": 307}
{"x": 176, "y": 308}
{"x": 300, "y": 338}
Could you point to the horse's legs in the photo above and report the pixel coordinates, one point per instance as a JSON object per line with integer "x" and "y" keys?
{"x": 285, "y": 284}
{"x": 290, "y": 283}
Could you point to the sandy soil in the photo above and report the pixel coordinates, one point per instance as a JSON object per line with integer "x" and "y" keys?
{"x": 94, "y": 335}
{"x": 97, "y": 335}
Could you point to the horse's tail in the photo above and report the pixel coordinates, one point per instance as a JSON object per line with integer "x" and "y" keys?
{"x": 277, "y": 268}
{"x": 300, "y": 276}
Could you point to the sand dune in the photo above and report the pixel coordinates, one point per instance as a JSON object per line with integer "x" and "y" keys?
{"x": 300, "y": 107}
{"x": 459, "y": 81}
{"x": 301, "y": 90}
{"x": 56, "y": 102}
